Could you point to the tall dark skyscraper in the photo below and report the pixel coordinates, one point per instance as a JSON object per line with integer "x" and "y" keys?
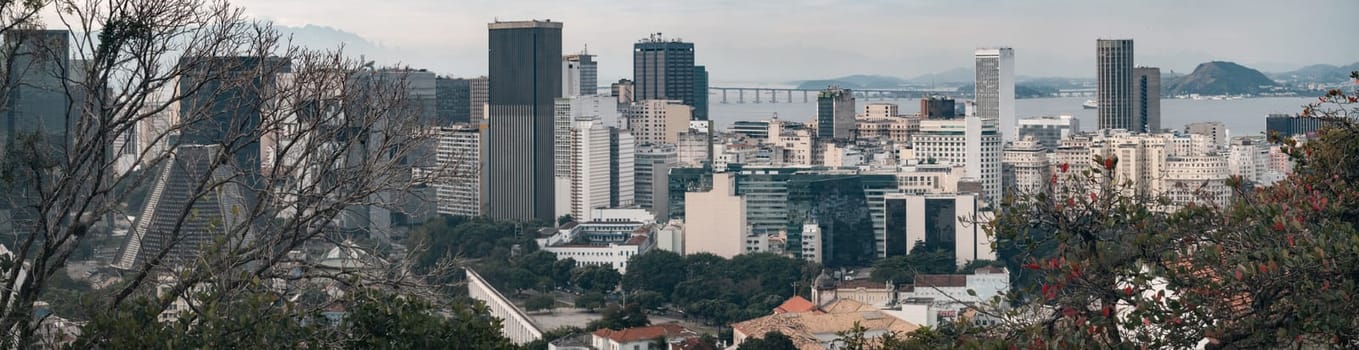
{"x": 225, "y": 108}
{"x": 835, "y": 114}
{"x": 1147, "y": 98}
{"x": 525, "y": 79}
{"x": 664, "y": 70}
{"x": 1115, "y": 83}
{"x": 36, "y": 78}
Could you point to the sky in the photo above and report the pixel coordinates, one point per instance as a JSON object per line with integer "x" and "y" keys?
{"x": 785, "y": 40}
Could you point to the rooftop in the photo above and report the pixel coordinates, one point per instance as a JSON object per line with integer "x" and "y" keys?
{"x": 629, "y": 335}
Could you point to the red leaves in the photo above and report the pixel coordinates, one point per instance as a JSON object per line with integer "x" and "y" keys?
{"x": 1177, "y": 321}
{"x": 1031, "y": 266}
{"x": 1128, "y": 291}
{"x": 1053, "y": 263}
{"x": 1064, "y": 167}
{"x": 1054, "y": 179}
{"x": 1278, "y": 226}
{"x": 1107, "y": 311}
{"x": 1264, "y": 268}
{"x": 1239, "y": 275}
{"x": 1049, "y": 291}
{"x": 1325, "y": 284}
{"x": 1069, "y": 312}
{"x": 1290, "y": 240}
{"x": 1093, "y": 197}
{"x": 1070, "y": 202}
{"x": 1109, "y": 163}
{"x": 1354, "y": 99}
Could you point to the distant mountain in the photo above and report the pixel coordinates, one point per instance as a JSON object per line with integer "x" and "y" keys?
{"x": 1319, "y": 73}
{"x": 956, "y": 75}
{"x": 858, "y": 81}
{"x": 1220, "y": 78}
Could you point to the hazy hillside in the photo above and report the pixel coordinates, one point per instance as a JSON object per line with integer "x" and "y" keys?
{"x": 858, "y": 81}
{"x": 1321, "y": 73}
{"x": 1220, "y": 78}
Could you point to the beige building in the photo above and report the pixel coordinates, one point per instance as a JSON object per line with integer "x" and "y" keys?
{"x": 881, "y": 110}
{"x": 897, "y": 129}
{"x": 817, "y": 328}
{"x": 715, "y": 221}
{"x": 658, "y": 121}
{"x": 1024, "y": 168}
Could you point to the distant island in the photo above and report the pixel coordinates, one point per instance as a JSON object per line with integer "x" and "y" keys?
{"x": 1221, "y": 78}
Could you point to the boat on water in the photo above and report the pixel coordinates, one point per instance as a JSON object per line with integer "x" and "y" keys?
{"x": 1090, "y": 104}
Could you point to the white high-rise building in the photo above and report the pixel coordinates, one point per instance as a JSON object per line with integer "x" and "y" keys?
{"x": 995, "y": 86}
{"x": 657, "y": 121}
{"x": 457, "y": 184}
{"x": 1215, "y": 131}
{"x": 586, "y": 184}
{"x": 569, "y": 110}
{"x": 1025, "y": 168}
{"x": 972, "y": 142}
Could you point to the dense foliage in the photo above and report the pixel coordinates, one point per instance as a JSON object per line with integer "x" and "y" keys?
{"x": 715, "y": 289}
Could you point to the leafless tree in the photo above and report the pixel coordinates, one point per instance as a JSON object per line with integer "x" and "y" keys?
{"x": 298, "y": 144}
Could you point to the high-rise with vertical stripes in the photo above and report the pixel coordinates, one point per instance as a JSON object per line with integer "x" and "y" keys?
{"x": 1114, "y": 90}
{"x": 525, "y": 78}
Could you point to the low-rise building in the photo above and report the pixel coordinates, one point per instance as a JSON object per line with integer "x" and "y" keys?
{"x": 819, "y": 327}
{"x": 604, "y": 243}
{"x": 642, "y": 338}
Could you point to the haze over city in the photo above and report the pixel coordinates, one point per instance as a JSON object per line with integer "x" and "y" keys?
{"x": 775, "y": 41}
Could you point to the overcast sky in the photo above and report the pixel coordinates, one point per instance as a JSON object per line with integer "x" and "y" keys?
{"x": 757, "y": 40}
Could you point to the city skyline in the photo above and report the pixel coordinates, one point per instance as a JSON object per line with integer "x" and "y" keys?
{"x": 767, "y": 42}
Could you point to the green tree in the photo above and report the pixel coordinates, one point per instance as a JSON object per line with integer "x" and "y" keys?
{"x": 561, "y": 271}
{"x": 386, "y": 321}
{"x": 921, "y": 260}
{"x": 772, "y": 340}
{"x": 597, "y": 278}
{"x": 655, "y": 271}
{"x": 621, "y": 317}
{"x": 649, "y": 300}
{"x": 973, "y": 265}
{"x": 540, "y": 302}
{"x": 564, "y": 219}
{"x": 590, "y": 301}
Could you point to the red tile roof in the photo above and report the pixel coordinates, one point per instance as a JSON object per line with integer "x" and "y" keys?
{"x": 795, "y": 304}
{"x": 629, "y": 335}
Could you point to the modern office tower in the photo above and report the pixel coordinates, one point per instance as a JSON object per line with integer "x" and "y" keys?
{"x": 181, "y": 218}
{"x": 715, "y": 219}
{"x": 1289, "y": 125}
{"x": 835, "y": 114}
{"x": 480, "y": 95}
{"x": 222, "y": 101}
{"x": 651, "y": 167}
{"x": 1197, "y": 179}
{"x": 624, "y": 90}
{"x": 941, "y": 221}
{"x": 1215, "y": 131}
{"x": 1024, "y": 169}
{"x": 847, "y": 207}
{"x": 664, "y": 70}
{"x": 995, "y": 85}
{"x": 1047, "y": 130}
{"x": 36, "y": 78}
{"x": 882, "y": 110}
{"x": 454, "y": 100}
{"x": 580, "y": 74}
{"x": 622, "y": 163}
{"x": 972, "y": 142}
{"x": 1147, "y": 99}
{"x": 525, "y": 79}
{"x": 1114, "y": 90}
{"x": 658, "y": 121}
{"x": 700, "y": 93}
{"x": 935, "y": 107}
{"x": 457, "y": 185}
